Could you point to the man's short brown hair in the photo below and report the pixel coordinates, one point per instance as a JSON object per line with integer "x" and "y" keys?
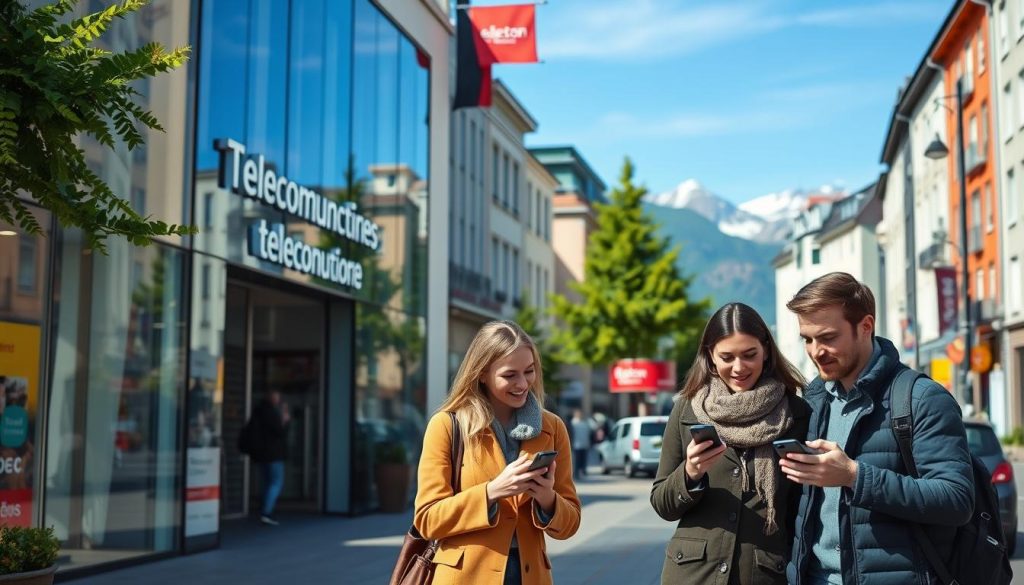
{"x": 835, "y": 289}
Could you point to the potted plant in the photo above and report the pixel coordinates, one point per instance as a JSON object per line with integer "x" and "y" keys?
{"x": 392, "y": 476}
{"x": 28, "y": 556}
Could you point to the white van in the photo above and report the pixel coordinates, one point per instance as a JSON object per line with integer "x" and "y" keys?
{"x": 634, "y": 445}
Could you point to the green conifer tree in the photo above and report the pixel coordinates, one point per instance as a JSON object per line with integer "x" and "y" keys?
{"x": 635, "y": 302}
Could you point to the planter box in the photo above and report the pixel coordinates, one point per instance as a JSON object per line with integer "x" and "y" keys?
{"x": 40, "y": 577}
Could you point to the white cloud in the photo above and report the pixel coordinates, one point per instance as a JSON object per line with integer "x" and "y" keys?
{"x": 650, "y": 29}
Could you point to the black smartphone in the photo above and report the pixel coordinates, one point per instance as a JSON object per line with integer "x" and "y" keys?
{"x": 784, "y": 446}
{"x": 701, "y": 433}
{"x": 542, "y": 460}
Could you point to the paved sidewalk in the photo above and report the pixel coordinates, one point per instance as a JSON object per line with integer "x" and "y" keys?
{"x": 620, "y": 540}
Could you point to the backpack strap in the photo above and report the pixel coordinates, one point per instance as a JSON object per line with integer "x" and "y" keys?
{"x": 901, "y": 415}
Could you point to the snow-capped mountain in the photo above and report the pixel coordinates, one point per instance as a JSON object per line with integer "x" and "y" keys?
{"x": 766, "y": 218}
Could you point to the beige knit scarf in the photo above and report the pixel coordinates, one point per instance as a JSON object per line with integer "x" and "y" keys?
{"x": 751, "y": 420}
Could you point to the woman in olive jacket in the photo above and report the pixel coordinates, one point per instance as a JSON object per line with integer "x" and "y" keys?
{"x": 734, "y": 510}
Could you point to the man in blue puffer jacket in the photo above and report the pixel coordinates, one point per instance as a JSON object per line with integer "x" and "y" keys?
{"x": 854, "y": 522}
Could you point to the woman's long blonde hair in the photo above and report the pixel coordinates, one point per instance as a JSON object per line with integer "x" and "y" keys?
{"x": 468, "y": 396}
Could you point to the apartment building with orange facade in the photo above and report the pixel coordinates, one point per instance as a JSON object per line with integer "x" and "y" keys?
{"x": 962, "y": 51}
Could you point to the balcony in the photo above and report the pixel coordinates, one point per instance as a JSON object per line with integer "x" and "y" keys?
{"x": 469, "y": 286}
{"x": 932, "y": 257}
{"x": 974, "y": 158}
{"x": 984, "y": 311}
{"x": 500, "y": 296}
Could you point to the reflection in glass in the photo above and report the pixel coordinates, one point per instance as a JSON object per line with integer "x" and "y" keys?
{"x": 118, "y": 366}
{"x": 23, "y": 272}
{"x": 390, "y": 396}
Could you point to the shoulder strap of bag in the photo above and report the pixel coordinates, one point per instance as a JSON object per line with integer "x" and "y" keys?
{"x": 902, "y": 416}
{"x": 456, "y": 454}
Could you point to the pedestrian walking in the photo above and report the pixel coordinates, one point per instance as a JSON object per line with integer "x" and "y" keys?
{"x": 581, "y": 431}
{"x": 859, "y": 506}
{"x": 266, "y": 444}
{"x": 492, "y": 530}
{"x": 718, "y": 477}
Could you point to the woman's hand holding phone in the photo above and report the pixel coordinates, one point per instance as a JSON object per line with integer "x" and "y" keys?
{"x": 514, "y": 479}
{"x": 543, "y": 489}
{"x": 700, "y": 457}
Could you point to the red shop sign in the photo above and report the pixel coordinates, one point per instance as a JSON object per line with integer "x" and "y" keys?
{"x": 642, "y": 375}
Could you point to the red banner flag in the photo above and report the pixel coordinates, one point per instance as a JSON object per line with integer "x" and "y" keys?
{"x": 640, "y": 375}
{"x": 505, "y": 34}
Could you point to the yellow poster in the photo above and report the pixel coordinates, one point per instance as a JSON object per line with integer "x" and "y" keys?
{"x": 19, "y": 394}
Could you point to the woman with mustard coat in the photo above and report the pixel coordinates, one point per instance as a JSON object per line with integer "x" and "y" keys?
{"x": 732, "y": 508}
{"x": 492, "y": 530}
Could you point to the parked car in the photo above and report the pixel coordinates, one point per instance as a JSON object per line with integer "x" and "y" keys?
{"x": 982, "y": 441}
{"x": 634, "y": 445}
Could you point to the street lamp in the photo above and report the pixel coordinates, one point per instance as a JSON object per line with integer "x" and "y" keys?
{"x": 937, "y": 150}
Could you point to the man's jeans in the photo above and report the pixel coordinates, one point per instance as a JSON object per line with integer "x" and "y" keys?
{"x": 273, "y": 481}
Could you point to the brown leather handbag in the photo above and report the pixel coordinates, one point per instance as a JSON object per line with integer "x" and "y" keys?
{"x": 415, "y": 564}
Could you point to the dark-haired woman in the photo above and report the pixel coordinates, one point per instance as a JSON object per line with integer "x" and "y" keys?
{"x": 733, "y": 508}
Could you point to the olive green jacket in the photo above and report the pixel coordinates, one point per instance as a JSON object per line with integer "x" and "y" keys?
{"x": 720, "y": 536}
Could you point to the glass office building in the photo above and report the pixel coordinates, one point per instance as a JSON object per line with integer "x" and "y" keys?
{"x": 298, "y": 141}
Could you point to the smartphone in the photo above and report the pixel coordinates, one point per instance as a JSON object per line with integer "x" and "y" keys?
{"x": 542, "y": 460}
{"x": 701, "y": 433}
{"x": 784, "y": 446}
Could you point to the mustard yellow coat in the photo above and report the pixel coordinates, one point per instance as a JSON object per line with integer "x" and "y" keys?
{"x": 473, "y": 550}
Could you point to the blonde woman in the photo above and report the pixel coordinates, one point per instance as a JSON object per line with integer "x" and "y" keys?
{"x": 492, "y": 530}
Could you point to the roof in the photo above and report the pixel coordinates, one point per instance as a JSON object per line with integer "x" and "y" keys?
{"x": 505, "y": 94}
{"x": 860, "y": 208}
{"x": 572, "y": 156}
{"x": 915, "y": 88}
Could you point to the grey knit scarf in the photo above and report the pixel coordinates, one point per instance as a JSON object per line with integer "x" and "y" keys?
{"x": 526, "y": 424}
{"x": 751, "y": 420}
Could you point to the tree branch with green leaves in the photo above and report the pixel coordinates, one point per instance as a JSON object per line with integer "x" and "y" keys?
{"x": 55, "y": 88}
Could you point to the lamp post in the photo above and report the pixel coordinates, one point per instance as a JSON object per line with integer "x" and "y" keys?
{"x": 937, "y": 150}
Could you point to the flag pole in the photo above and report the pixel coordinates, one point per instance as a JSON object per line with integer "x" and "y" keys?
{"x": 467, "y": 6}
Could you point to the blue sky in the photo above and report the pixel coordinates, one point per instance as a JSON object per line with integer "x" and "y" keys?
{"x": 748, "y": 97}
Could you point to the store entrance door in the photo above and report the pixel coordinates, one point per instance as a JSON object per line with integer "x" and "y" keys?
{"x": 274, "y": 342}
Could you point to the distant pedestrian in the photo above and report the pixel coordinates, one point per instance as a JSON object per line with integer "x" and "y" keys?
{"x": 734, "y": 510}
{"x": 268, "y": 447}
{"x": 492, "y": 528}
{"x": 581, "y": 432}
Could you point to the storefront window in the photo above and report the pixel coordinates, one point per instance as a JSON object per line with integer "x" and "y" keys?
{"x": 22, "y": 328}
{"x": 117, "y": 379}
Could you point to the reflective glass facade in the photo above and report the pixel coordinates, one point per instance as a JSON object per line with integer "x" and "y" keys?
{"x": 298, "y": 144}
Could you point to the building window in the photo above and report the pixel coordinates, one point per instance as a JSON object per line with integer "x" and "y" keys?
{"x": 979, "y": 286}
{"x": 504, "y": 267}
{"x": 993, "y": 289}
{"x": 816, "y": 255}
{"x": 1016, "y": 298}
{"x": 472, "y": 149}
{"x": 515, "y": 188}
{"x": 541, "y": 292}
{"x": 1010, "y": 119}
{"x": 1018, "y": 113}
{"x": 984, "y": 130}
{"x": 1004, "y": 31}
{"x": 547, "y": 219}
{"x": 990, "y": 217}
{"x": 495, "y": 266}
{"x": 529, "y": 205}
{"x": 505, "y": 194}
{"x": 27, "y": 255}
{"x": 496, "y": 159}
{"x": 1012, "y": 200}
{"x": 972, "y": 137}
{"x": 981, "y": 51}
{"x": 968, "y": 65}
{"x": 515, "y": 289}
{"x": 974, "y": 239}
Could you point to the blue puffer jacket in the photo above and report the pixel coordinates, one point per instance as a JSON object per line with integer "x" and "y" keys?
{"x": 875, "y": 516}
